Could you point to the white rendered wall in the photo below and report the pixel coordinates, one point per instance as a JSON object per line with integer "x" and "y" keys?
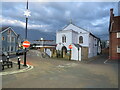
{"x": 74, "y": 53}
{"x": 75, "y": 38}
{"x": 72, "y": 34}
{"x": 99, "y": 47}
{"x": 59, "y": 42}
{"x": 95, "y": 46}
{"x": 90, "y": 54}
{"x": 48, "y": 51}
{"x": 75, "y": 28}
{"x": 85, "y": 39}
{"x": 92, "y": 47}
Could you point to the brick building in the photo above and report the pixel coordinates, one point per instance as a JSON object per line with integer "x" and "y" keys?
{"x": 114, "y": 36}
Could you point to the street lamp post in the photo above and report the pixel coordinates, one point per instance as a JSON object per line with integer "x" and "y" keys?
{"x": 27, "y": 14}
{"x": 42, "y": 41}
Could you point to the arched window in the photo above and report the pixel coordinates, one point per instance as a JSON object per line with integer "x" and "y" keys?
{"x": 80, "y": 39}
{"x": 3, "y": 38}
{"x": 63, "y": 39}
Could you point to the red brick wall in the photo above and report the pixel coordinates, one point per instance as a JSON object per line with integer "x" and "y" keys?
{"x": 116, "y": 24}
{"x": 114, "y": 27}
{"x": 114, "y": 41}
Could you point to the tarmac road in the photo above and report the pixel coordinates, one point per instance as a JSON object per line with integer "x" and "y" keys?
{"x": 55, "y": 73}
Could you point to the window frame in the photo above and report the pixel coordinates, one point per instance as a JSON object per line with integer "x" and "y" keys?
{"x": 8, "y": 48}
{"x": 118, "y": 49}
{"x": 9, "y": 31}
{"x": 63, "y": 39}
{"x": 118, "y": 34}
{"x": 13, "y": 39}
{"x": 80, "y": 39}
{"x": 3, "y": 38}
{"x": 12, "y": 48}
{"x": 8, "y": 38}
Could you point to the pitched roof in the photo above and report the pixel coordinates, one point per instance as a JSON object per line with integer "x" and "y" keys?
{"x": 114, "y": 25}
{"x": 3, "y": 28}
{"x": 74, "y": 27}
{"x": 67, "y": 31}
{"x": 45, "y": 40}
{"x": 94, "y": 36}
{"x": 77, "y": 27}
{"x": 77, "y": 45}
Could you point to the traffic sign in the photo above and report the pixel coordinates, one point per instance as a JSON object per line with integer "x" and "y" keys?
{"x": 26, "y": 44}
{"x": 70, "y": 46}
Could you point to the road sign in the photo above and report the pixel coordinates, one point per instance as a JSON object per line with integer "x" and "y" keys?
{"x": 26, "y": 44}
{"x": 70, "y": 46}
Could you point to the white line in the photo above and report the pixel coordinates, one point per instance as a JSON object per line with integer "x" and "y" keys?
{"x": 26, "y": 44}
{"x": 105, "y": 61}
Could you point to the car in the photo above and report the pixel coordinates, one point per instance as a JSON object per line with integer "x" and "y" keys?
{"x": 20, "y": 52}
{"x": 5, "y": 54}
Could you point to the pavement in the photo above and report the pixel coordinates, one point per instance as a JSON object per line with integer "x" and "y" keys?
{"x": 57, "y": 73}
{"x": 15, "y": 69}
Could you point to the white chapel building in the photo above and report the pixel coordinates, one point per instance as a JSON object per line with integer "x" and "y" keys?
{"x": 84, "y": 44}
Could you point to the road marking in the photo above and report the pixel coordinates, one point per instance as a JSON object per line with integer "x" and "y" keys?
{"x": 105, "y": 61}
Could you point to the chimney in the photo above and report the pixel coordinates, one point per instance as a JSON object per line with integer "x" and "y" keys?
{"x": 111, "y": 14}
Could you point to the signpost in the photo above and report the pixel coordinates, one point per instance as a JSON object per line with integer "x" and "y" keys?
{"x": 26, "y": 44}
{"x": 78, "y": 53}
{"x": 70, "y": 47}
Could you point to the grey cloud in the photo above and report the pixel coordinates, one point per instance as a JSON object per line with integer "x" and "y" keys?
{"x": 57, "y": 14}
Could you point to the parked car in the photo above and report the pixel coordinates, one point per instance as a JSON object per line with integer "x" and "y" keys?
{"x": 20, "y": 52}
{"x": 4, "y": 53}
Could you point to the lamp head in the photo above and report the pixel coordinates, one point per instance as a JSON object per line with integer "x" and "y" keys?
{"x": 27, "y": 13}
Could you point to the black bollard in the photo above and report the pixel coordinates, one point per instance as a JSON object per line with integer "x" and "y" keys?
{"x": 18, "y": 60}
{"x": 70, "y": 55}
{"x": 1, "y": 67}
{"x": 19, "y": 64}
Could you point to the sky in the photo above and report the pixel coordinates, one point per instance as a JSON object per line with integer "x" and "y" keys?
{"x": 53, "y": 16}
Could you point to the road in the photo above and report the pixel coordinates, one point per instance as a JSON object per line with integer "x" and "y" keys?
{"x": 57, "y": 73}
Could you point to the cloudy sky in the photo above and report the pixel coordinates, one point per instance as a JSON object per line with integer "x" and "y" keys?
{"x": 53, "y": 16}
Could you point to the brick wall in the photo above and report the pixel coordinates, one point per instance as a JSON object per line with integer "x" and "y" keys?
{"x": 114, "y": 42}
{"x": 114, "y": 27}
